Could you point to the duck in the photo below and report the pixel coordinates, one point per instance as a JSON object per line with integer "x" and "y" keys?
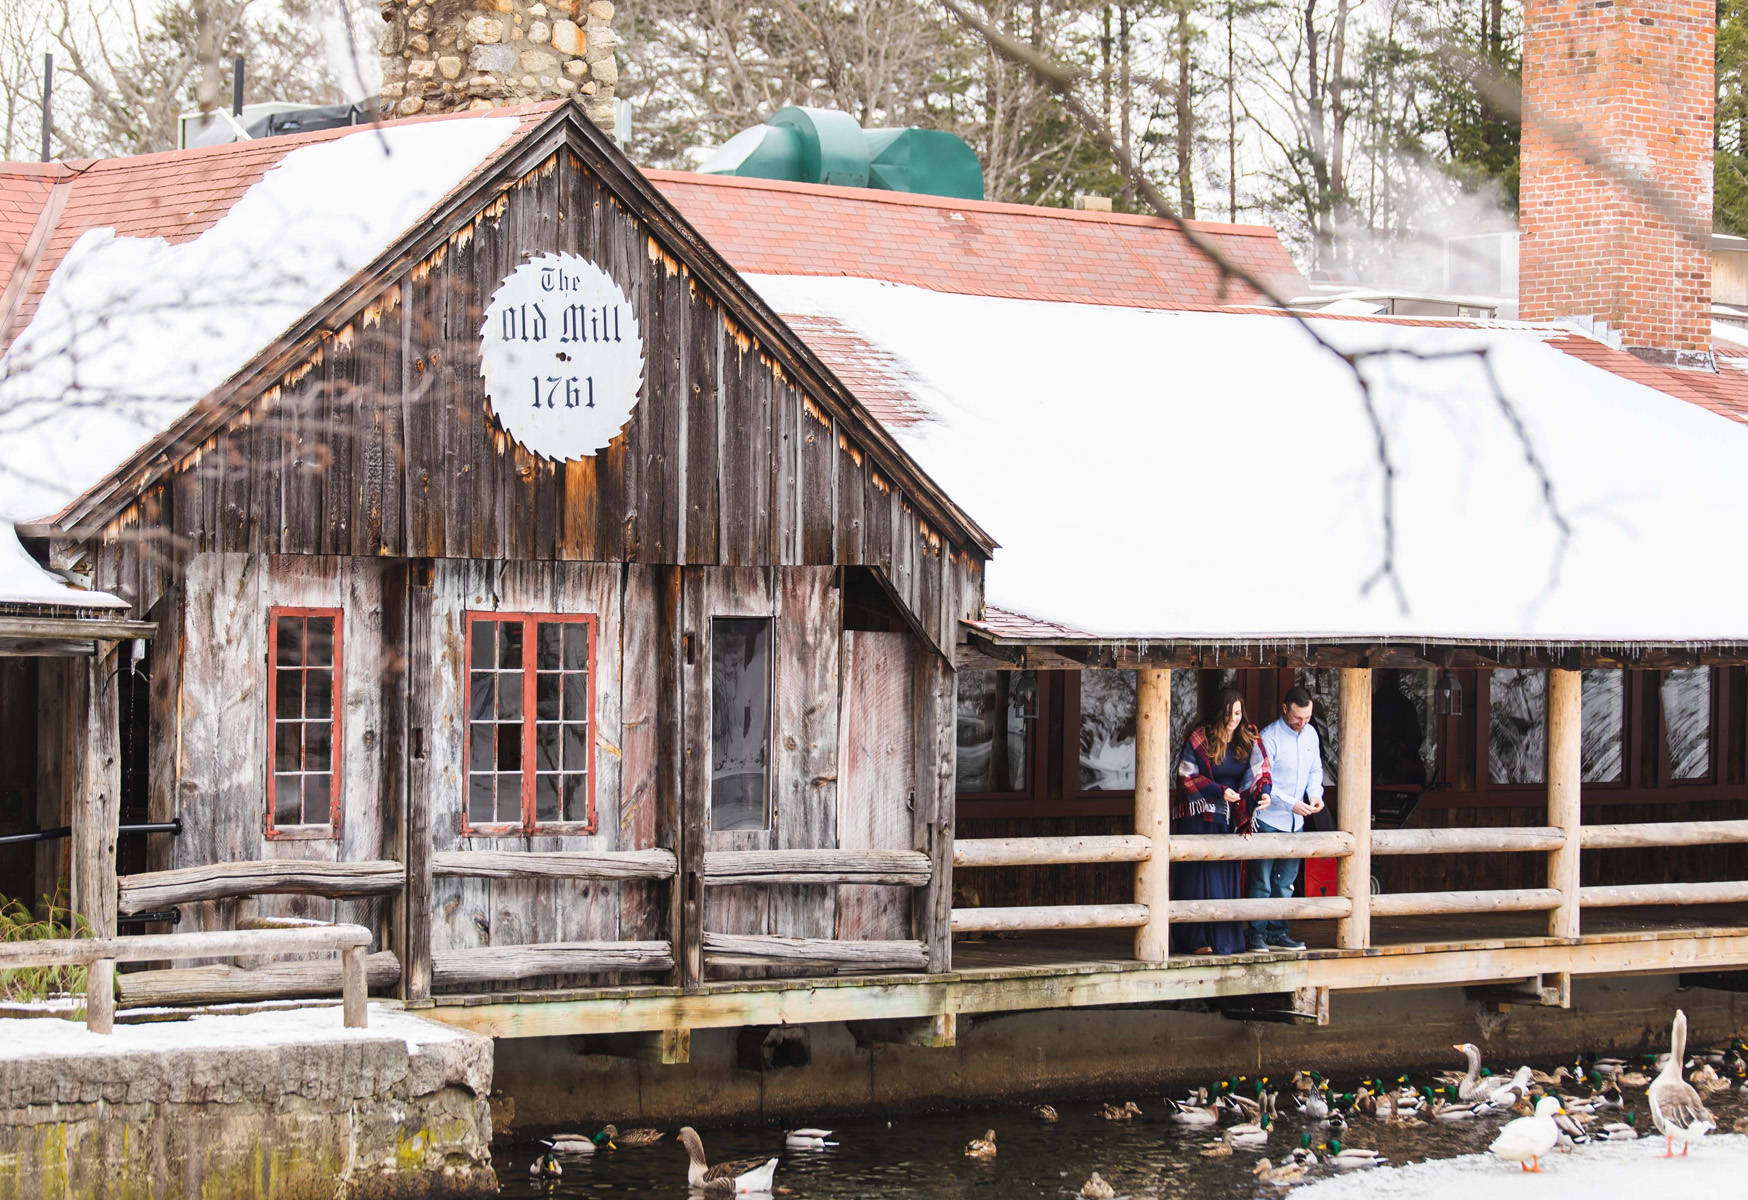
{"x": 1676, "y": 1109}
{"x": 1097, "y": 1189}
{"x": 1620, "y": 1131}
{"x": 737, "y": 1177}
{"x": 1303, "y": 1155}
{"x": 1047, "y": 1112}
{"x": 1608, "y": 1097}
{"x": 1335, "y": 1122}
{"x": 1250, "y": 1134}
{"x": 1633, "y": 1079}
{"x": 1444, "y": 1109}
{"x": 1314, "y": 1103}
{"x": 1219, "y": 1149}
{"x": 1707, "y": 1081}
{"x": 1350, "y": 1158}
{"x": 635, "y": 1137}
{"x": 546, "y": 1166}
{"x": 580, "y": 1143}
{"x": 1572, "y": 1131}
{"x": 983, "y": 1147}
{"x": 1191, "y": 1114}
{"x": 1128, "y": 1112}
{"x": 1286, "y": 1173}
{"x": 808, "y": 1139}
{"x": 1526, "y": 1139}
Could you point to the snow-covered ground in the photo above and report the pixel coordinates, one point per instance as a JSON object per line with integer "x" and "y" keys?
{"x": 1717, "y": 1166}
{"x": 31, "y": 1037}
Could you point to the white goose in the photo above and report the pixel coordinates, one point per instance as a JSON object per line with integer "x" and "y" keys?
{"x": 1676, "y": 1109}
{"x": 1526, "y": 1139}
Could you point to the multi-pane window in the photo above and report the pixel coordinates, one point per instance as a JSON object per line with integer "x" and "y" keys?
{"x": 530, "y": 743}
{"x": 303, "y": 661}
{"x": 1686, "y": 697}
{"x": 740, "y": 723}
{"x": 994, "y": 717}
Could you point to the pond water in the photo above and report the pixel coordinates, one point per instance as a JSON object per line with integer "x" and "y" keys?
{"x": 920, "y": 1156}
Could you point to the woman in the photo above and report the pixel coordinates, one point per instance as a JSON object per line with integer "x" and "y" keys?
{"x": 1222, "y": 775}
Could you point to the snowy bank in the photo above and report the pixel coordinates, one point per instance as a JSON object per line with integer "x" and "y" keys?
{"x": 38, "y": 1037}
{"x": 1715, "y": 1167}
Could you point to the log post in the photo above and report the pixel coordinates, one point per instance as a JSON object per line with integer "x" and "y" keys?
{"x": 354, "y": 988}
{"x": 1354, "y": 807}
{"x": 100, "y": 996}
{"x": 1565, "y": 768}
{"x": 96, "y": 798}
{"x": 1153, "y": 810}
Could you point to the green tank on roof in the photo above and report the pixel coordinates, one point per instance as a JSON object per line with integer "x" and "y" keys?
{"x": 821, "y": 145}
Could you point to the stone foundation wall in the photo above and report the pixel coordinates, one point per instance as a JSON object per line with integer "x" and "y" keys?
{"x": 339, "y": 1120}
{"x": 447, "y": 55}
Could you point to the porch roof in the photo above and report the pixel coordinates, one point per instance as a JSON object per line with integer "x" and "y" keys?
{"x": 1211, "y": 476}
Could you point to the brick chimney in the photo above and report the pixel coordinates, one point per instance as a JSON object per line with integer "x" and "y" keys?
{"x": 1618, "y": 95}
{"x": 446, "y": 55}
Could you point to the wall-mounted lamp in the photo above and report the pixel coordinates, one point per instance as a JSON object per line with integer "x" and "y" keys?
{"x": 1448, "y": 695}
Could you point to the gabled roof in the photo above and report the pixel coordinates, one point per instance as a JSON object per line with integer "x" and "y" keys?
{"x": 973, "y": 247}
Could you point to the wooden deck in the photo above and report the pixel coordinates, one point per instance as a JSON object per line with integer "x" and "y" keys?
{"x": 1093, "y": 968}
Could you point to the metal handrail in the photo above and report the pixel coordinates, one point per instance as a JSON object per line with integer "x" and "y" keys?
{"x": 172, "y": 827}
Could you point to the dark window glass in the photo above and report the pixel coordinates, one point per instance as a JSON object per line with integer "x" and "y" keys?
{"x": 1686, "y": 696}
{"x": 1517, "y": 726}
{"x": 1107, "y": 731}
{"x": 305, "y": 657}
{"x": 740, "y": 723}
{"x": 1602, "y": 723}
{"x": 995, "y": 710}
{"x": 1404, "y": 738}
{"x": 524, "y": 772}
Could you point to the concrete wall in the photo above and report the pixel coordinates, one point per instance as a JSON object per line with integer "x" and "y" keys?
{"x": 1118, "y": 1053}
{"x": 354, "y": 1119}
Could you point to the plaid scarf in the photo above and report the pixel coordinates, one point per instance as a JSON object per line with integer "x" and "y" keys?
{"x": 1199, "y": 796}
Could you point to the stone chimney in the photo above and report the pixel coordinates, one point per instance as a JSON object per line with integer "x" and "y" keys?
{"x": 448, "y": 55}
{"x": 1616, "y": 196}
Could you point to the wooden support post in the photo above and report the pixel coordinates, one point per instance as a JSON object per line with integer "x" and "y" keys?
{"x": 1153, "y": 810}
{"x": 676, "y": 1047}
{"x": 418, "y": 727}
{"x": 936, "y": 741}
{"x": 100, "y": 996}
{"x": 354, "y": 990}
{"x": 1354, "y": 808}
{"x": 96, "y": 798}
{"x": 1565, "y": 767}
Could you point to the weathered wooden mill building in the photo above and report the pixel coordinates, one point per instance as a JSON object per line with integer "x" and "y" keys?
{"x": 576, "y": 577}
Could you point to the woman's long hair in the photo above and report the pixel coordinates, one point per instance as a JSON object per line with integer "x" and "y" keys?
{"x": 1214, "y": 728}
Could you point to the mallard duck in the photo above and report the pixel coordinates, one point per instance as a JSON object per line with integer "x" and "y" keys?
{"x": 1608, "y": 1097}
{"x": 634, "y": 1137}
{"x": 1397, "y": 1119}
{"x": 1634, "y": 1079}
{"x": 1286, "y": 1173}
{"x": 1314, "y": 1104}
{"x": 580, "y": 1143}
{"x": 1219, "y": 1149}
{"x": 1250, "y": 1135}
{"x": 808, "y": 1139}
{"x": 1444, "y": 1109}
{"x": 1707, "y": 1081}
{"x": 1350, "y": 1158}
{"x": 1303, "y": 1155}
{"x": 1128, "y": 1112}
{"x": 1676, "y": 1109}
{"x": 736, "y": 1177}
{"x": 1572, "y": 1131}
{"x": 1621, "y": 1131}
{"x": 1045, "y": 1112}
{"x": 1365, "y": 1102}
{"x": 1335, "y": 1122}
{"x": 546, "y": 1166}
{"x": 1191, "y": 1114}
{"x": 1526, "y": 1139}
{"x": 983, "y": 1147}
{"x": 1097, "y": 1189}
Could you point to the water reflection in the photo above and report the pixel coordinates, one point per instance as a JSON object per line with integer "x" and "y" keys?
{"x": 921, "y": 1156}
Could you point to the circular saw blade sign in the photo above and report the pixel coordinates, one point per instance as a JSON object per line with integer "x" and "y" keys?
{"x": 562, "y": 356}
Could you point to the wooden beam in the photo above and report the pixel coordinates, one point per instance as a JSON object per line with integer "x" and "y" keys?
{"x": 1354, "y": 807}
{"x": 554, "y": 864}
{"x": 739, "y": 949}
{"x": 1302, "y": 908}
{"x": 96, "y": 811}
{"x": 1063, "y": 916}
{"x": 1152, "y": 814}
{"x": 76, "y": 629}
{"x": 150, "y": 947}
{"x": 1527, "y": 839}
{"x": 498, "y": 964}
{"x": 224, "y": 983}
{"x": 934, "y": 690}
{"x": 902, "y": 868}
{"x": 1051, "y": 851}
{"x": 1626, "y": 895}
{"x": 1420, "y": 904}
{"x": 1220, "y": 847}
{"x": 936, "y": 1032}
{"x": 998, "y": 990}
{"x": 231, "y": 880}
{"x": 1565, "y": 773}
{"x": 1663, "y": 833}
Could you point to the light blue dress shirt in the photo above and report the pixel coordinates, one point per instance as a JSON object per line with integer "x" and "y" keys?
{"x": 1296, "y": 771}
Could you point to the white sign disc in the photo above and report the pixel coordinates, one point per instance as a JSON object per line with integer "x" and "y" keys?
{"x": 562, "y": 356}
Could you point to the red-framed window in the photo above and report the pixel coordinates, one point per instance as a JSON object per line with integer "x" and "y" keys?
{"x": 531, "y": 724}
{"x": 304, "y": 678}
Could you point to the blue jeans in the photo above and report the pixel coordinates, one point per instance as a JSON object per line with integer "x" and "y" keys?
{"x": 1271, "y": 877}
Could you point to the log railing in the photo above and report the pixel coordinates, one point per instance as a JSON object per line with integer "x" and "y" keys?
{"x": 99, "y": 956}
{"x": 237, "y": 880}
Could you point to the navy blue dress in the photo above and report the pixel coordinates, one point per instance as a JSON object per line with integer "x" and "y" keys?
{"x": 1211, "y": 880}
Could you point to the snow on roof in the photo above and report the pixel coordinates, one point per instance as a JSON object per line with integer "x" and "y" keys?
{"x": 22, "y": 581}
{"x": 132, "y": 331}
{"x": 1204, "y": 474}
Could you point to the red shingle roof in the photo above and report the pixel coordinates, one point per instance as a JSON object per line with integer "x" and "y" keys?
{"x": 972, "y": 247}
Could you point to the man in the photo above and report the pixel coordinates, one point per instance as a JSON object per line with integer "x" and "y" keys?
{"x": 1296, "y": 792}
